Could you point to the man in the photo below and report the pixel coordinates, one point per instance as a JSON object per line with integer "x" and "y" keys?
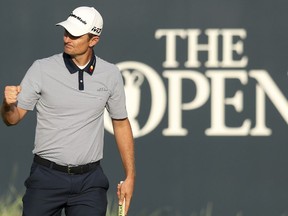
{"x": 70, "y": 92}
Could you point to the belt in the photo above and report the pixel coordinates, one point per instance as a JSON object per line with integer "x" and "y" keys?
{"x": 81, "y": 169}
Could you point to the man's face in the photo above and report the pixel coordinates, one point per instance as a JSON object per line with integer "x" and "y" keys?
{"x": 75, "y": 46}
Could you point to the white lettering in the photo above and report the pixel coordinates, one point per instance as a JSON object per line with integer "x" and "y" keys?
{"x": 267, "y": 85}
{"x": 175, "y": 105}
{"x": 218, "y": 102}
{"x": 171, "y": 35}
{"x": 194, "y": 47}
{"x": 224, "y": 49}
{"x": 229, "y": 48}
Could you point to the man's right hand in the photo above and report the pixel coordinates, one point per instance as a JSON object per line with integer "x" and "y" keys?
{"x": 11, "y": 114}
{"x": 11, "y": 93}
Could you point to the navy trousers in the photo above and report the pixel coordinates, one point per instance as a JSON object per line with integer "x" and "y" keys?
{"x": 48, "y": 192}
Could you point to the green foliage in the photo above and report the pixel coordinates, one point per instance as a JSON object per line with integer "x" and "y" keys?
{"x": 112, "y": 208}
{"x": 11, "y": 204}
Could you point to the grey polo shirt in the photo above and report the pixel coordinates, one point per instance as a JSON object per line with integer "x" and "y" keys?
{"x": 70, "y": 104}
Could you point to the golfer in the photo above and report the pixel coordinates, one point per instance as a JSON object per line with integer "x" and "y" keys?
{"x": 70, "y": 92}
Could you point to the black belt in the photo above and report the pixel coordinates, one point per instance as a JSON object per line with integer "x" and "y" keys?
{"x": 81, "y": 169}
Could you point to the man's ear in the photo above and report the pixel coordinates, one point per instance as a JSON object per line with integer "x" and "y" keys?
{"x": 94, "y": 40}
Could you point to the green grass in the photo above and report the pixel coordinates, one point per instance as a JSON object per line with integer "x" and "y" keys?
{"x": 11, "y": 204}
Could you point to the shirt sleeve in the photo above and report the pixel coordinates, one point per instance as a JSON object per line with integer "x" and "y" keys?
{"x": 116, "y": 104}
{"x": 30, "y": 87}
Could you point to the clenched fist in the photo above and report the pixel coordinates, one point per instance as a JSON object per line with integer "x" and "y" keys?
{"x": 11, "y": 93}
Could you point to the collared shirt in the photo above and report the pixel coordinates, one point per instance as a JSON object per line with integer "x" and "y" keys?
{"x": 73, "y": 68}
{"x": 70, "y": 127}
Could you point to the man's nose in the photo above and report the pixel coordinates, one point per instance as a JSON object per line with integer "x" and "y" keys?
{"x": 66, "y": 38}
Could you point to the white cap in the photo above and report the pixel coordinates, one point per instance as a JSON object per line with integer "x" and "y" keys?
{"x": 83, "y": 20}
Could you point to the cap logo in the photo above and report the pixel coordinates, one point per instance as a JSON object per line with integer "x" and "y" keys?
{"x": 96, "y": 30}
{"x": 78, "y": 18}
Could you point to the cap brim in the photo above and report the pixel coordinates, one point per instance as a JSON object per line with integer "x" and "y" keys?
{"x": 72, "y": 28}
